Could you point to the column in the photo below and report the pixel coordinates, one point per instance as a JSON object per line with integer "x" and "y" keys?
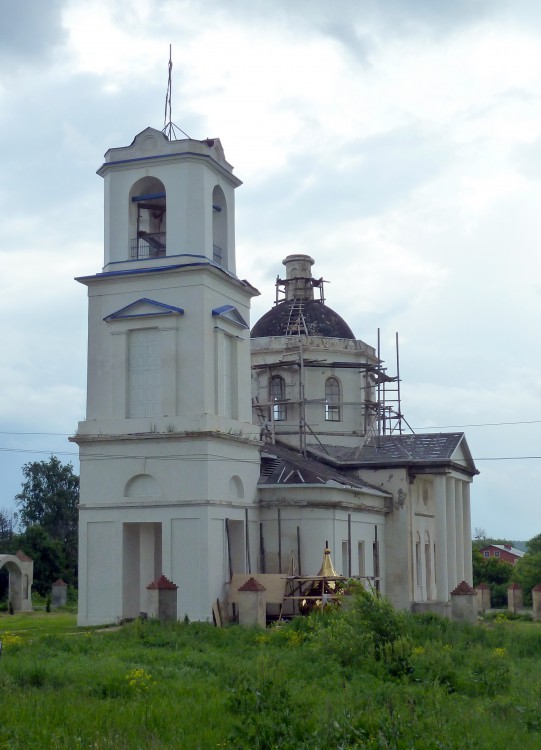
{"x": 442, "y": 583}
{"x": 468, "y": 571}
{"x": 461, "y": 548}
{"x": 452, "y": 529}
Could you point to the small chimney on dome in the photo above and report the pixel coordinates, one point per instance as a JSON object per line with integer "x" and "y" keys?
{"x": 298, "y": 282}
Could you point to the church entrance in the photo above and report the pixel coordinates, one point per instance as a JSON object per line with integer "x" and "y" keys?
{"x": 141, "y": 564}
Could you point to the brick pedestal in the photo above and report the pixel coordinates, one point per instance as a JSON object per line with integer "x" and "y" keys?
{"x": 514, "y": 598}
{"x": 464, "y": 603}
{"x": 162, "y": 599}
{"x": 536, "y": 602}
{"x": 59, "y": 593}
{"x": 483, "y": 597}
{"x": 252, "y": 607}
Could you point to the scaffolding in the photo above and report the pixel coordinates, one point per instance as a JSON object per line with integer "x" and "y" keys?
{"x": 381, "y": 415}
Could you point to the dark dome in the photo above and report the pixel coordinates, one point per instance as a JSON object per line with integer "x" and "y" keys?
{"x": 320, "y": 321}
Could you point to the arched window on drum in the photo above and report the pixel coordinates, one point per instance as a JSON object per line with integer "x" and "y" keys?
{"x": 332, "y": 400}
{"x": 277, "y": 396}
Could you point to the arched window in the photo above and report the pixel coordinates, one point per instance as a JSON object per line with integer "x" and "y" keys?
{"x": 277, "y": 396}
{"x": 332, "y": 400}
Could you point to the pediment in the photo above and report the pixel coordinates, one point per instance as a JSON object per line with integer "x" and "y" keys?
{"x": 462, "y": 455}
{"x": 231, "y": 314}
{"x": 147, "y": 133}
{"x": 144, "y": 308}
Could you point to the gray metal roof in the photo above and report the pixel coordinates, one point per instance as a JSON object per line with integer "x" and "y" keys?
{"x": 395, "y": 450}
{"x": 281, "y": 465}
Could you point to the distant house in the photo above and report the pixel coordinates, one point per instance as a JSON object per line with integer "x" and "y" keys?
{"x": 504, "y": 552}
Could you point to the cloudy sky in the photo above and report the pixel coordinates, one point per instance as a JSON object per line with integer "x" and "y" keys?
{"x": 398, "y": 142}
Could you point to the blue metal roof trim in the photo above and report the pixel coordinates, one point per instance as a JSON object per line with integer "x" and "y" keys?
{"x": 166, "y": 156}
{"x": 157, "y": 269}
{"x": 161, "y": 309}
{"x": 235, "y": 318}
{"x": 140, "y": 260}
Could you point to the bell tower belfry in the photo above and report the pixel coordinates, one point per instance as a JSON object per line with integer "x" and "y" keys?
{"x": 166, "y": 200}
{"x": 168, "y": 453}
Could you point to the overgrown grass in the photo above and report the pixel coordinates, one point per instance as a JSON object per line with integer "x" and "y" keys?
{"x": 366, "y": 678}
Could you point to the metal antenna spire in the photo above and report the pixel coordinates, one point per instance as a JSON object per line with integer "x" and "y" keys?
{"x": 169, "y": 127}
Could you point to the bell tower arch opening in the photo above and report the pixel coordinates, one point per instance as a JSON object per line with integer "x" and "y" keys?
{"x": 219, "y": 227}
{"x": 147, "y": 219}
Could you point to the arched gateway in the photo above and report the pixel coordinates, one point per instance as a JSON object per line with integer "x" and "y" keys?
{"x": 21, "y": 571}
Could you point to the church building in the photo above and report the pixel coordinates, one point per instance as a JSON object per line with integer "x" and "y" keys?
{"x": 210, "y": 449}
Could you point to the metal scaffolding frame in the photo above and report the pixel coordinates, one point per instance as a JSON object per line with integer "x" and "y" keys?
{"x": 382, "y": 416}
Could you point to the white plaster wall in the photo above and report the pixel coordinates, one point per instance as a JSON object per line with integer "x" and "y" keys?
{"x": 396, "y": 550}
{"x": 423, "y": 525}
{"x": 188, "y": 347}
{"x": 100, "y": 595}
{"x": 319, "y": 523}
{"x": 186, "y": 469}
{"x": 189, "y": 170}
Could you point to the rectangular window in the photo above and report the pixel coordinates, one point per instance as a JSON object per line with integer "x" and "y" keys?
{"x": 486, "y": 553}
{"x": 496, "y": 553}
{"x": 144, "y": 373}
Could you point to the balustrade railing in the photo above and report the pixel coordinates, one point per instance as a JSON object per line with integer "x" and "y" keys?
{"x": 148, "y": 246}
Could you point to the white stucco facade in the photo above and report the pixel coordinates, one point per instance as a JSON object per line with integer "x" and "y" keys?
{"x": 207, "y": 451}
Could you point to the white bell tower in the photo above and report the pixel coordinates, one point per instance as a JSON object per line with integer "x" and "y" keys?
{"x": 169, "y": 458}
{"x": 168, "y": 200}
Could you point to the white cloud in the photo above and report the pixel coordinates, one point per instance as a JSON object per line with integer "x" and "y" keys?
{"x": 397, "y": 143}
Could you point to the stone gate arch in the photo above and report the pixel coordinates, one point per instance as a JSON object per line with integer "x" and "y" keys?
{"x": 21, "y": 573}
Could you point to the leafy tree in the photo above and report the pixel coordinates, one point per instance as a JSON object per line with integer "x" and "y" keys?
{"x": 534, "y": 545}
{"x": 49, "y": 556}
{"x": 8, "y": 527}
{"x": 48, "y": 500}
{"x": 527, "y": 572}
{"x": 497, "y": 573}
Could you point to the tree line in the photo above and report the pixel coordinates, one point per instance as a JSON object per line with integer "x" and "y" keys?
{"x": 45, "y": 524}
{"x": 500, "y": 574}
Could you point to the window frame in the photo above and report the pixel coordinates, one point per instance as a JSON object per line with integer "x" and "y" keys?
{"x": 277, "y": 397}
{"x": 333, "y": 395}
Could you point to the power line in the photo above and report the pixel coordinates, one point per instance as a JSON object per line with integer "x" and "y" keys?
{"x": 205, "y": 457}
{"x": 426, "y": 427}
{"x": 57, "y": 434}
{"x": 480, "y": 424}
